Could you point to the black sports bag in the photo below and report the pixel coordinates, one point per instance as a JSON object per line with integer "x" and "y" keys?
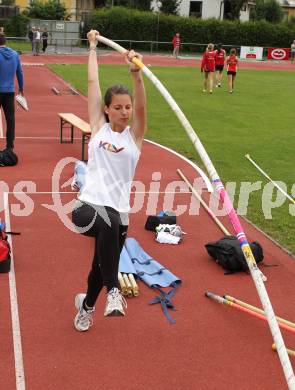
{"x": 228, "y": 253}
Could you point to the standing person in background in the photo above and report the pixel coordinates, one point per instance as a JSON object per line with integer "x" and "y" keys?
{"x": 232, "y": 67}
{"x": 220, "y": 56}
{"x": 44, "y": 37}
{"x": 36, "y": 41}
{"x": 104, "y": 202}
{"x": 31, "y": 37}
{"x": 10, "y": 67}
{"x": 1, "y": 30}
{"x": 292, "y": 51}
{"x": 176, "y": 45}
{"x": 208, "y": 67}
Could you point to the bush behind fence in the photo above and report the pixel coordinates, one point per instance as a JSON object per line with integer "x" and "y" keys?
{"x": 130, "y": 24}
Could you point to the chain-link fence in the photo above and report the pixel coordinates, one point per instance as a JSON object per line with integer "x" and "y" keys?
{"x": 79, "y": 46}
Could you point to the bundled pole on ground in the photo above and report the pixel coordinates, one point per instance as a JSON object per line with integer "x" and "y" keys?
{"x": 204, "y": 204}
{"x": 134, "y": 285}
{"x": 244, "y": 309}
{"x": 128, "y": 285}
{"x": 269, "y": 178}
{"x": 122, "y": 284}
{"x": 241, "y": 236}
{"x": 257, "y": 310}
{"x": 290, "y": 351}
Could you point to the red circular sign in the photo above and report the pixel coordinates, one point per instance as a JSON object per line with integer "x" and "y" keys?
{"x": 278, "y": 54}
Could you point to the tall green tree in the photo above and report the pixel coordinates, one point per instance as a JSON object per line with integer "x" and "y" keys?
{"x": 50, "y": 10}
{"x": 143, "y": 5}
{"x": 269, "y": 10}
{"x": 8, "y": 2}
{"x": 170, "y": 6}
{"x": 236, "y": 6}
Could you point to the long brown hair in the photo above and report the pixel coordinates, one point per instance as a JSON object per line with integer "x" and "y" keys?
{"x": 117, "y": 89}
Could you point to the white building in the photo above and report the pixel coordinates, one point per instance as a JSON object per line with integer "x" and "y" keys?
{"x": 288, "y": 8}
{"x": 206, "y": 9}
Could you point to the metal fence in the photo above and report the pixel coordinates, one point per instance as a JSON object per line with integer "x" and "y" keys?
{"x": 80, "y": 46}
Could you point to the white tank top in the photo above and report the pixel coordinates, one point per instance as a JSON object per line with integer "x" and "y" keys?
{"x": 112, "y": 159}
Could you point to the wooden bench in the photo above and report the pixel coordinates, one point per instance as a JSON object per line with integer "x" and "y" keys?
{"x": 74, "y": 121}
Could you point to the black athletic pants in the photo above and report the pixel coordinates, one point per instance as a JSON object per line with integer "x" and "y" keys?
{"x": 105, "y": 226}
{"x": 7, "y": 103}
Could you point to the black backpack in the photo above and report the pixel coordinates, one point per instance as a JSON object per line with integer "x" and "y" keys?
{"x": 228, "y": 253}
{"x": 8, "y": 158}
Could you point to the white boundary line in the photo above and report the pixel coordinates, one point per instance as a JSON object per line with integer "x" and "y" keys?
{"x": 195, "y": 166}
{"x": 17, "y": 344}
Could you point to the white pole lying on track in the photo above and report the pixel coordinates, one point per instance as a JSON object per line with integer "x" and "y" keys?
{"x": 254, "y": 270}
{"x": 204, "y": 204}
{"x": 269, "y": 178}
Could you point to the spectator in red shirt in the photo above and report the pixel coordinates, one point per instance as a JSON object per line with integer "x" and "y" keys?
{"x": 232, "y": 67}
{"x": 176, "y": 45}
{"x": 220, "y": 56}
{"x": 208, "y": 67}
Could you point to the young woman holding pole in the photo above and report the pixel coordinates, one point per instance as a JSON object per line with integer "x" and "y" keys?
{"x": 103, "y": 205}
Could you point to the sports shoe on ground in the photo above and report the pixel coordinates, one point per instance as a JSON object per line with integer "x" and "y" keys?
{"x": 115, "y": 303}
{"x": 204, "y": 90}
{"x": 83, "y": 319}
{"x": 211, "y": 91}
{"x": 22, "y": 101}
{"x": 219, "y": 85}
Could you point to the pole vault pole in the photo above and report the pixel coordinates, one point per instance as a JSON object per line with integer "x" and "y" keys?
{"x": 204, "y": 204}
{"x": 269, "y": 178}
{"x": 254, "y": 270}
{"x": 244, "y": 309}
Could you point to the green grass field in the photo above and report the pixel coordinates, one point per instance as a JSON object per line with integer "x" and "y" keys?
{"x": 23, "y": 46}
{"x": 257, "y": 119}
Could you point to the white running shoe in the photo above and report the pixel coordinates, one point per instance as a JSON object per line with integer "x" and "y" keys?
{"x": 83, "y": 319}
{"x": 115, "y": 303}
{"x": 22, "y": 101}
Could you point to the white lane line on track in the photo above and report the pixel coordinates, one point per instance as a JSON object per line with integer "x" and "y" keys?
{"x": 1, "y": 125}
{"x": 192, "y": 164}
{"x": 17, "y": 344}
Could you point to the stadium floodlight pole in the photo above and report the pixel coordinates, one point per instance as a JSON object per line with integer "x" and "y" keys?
{"x": 254, "y": 270}
{"x": 269, "y": 178}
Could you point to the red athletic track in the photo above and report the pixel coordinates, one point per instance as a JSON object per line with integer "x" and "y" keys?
{"x": 210, "y": 347}
{"x": 153, "y": 60}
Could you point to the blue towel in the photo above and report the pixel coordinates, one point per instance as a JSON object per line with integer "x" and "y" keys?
{"x": 79, "y": 175}
{"x": 135, "y": 260}
{"x": 147, "y": 268}
{"x": 126, "y": 266}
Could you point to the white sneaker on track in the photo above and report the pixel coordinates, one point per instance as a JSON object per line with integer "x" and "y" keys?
{"x": 115, "y": 303}
{"x": 83, "y": 320}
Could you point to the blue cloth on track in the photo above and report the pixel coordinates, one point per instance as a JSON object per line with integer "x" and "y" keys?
{"x": 135, "y": 260}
